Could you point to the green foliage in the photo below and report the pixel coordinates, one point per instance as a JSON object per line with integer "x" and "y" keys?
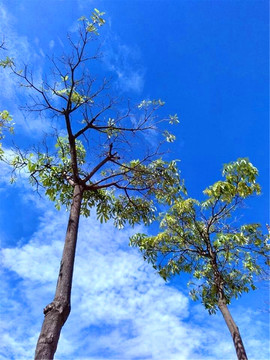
{"x": 173, "y": 119}
{"x": 52, "y": 172}
{"x": 55, "y": 174}
{"x": 62, "y": 145}
{"x": 112, "y": 129}
{"x": 6, "y": 123}
{"x": 169, "y": 137}
{"x": 145, "y": 104}
{"x": 74, "y": 96}
{"x": 97, "y": 20}
{"x": 159, "y": 178}
{"x": 199, "y": 238}
{"x": 240, "y": 181}
{"x": 7, "y": 62}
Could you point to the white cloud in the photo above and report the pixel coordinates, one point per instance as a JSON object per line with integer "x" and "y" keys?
{"x": 85, "y": 5}
{"x": 124, "y": 61}
{"x": 23, "y": 53}
{"x": 60, "y": 42}
{"x": 112, "y": 287}
{"x": 51, "y": 44}
{"x": 130, "y": 80}
{"x": 18, "y": 48}
{"x": 120, "y": 308}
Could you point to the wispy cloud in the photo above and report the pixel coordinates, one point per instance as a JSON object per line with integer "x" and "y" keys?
{"x": 112, "y": 287}
{"x": 23, "y": 53}
{"x": 120, "y": 308}
{"x": 17, "y": 47}
{"x": 51, "y": 44}
{"x": 85, "y": 5}
{"x": 125, "y": 62}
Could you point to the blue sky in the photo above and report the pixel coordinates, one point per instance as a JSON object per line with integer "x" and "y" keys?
{"x": 208, "y": 60}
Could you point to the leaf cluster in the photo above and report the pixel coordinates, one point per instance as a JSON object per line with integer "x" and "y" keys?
{"x": 96, "y": 20}
{"x": 6, "y": 121}
{"x": 6, "y": 124}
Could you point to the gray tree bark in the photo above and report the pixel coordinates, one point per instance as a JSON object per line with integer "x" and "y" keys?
{"x": 57, "y": 312}
{"x": 235, "y": 333}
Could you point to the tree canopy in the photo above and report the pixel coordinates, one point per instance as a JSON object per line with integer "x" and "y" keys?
{"x": 204, "y": 239}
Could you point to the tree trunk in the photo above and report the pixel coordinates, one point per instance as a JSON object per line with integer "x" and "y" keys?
{"x": 237, "y": 340}
{"x": 57, "y": 312}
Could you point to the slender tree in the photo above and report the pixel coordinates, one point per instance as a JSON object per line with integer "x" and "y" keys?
{"x": 202, "y": 238}
{"x": 92, "y": 164}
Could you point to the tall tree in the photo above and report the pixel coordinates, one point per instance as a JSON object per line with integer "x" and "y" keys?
{"x": 202, "y": 238}
{"x": 92, "y": 164}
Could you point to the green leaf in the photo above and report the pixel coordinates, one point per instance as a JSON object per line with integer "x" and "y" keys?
{"x": 8, "y": 62}
{"x": 64, "y": 78}
{"x": 169, "y": 137}
{"x": 173, "y": 119}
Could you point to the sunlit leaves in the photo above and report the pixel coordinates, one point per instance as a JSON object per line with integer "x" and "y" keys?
{"x": 173, "y": 119}
{"x": 73, "y": 95}
{"x": 7, "y": 62}
{"x": 168, "y": 136}
{"x": 54, "y": 173}
{"x": 222, "y": 190}
{"x": 64, "y": 78}
{"x": 111, "y": 129}
{"x": 158, "y": 178}
{"x": 97, "y": 21}
{"x": 244, "y": 170}
{"x": 145, "y": 104}
{"x": 240, "y": 181}
{"x": 6, "y": 124}
{"x": 5, "y": 117}
{"x": 62, "y": 145}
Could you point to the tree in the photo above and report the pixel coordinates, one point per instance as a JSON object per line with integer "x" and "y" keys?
{"x": 202, "y": 238}
{"x": 91, "y": 165}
